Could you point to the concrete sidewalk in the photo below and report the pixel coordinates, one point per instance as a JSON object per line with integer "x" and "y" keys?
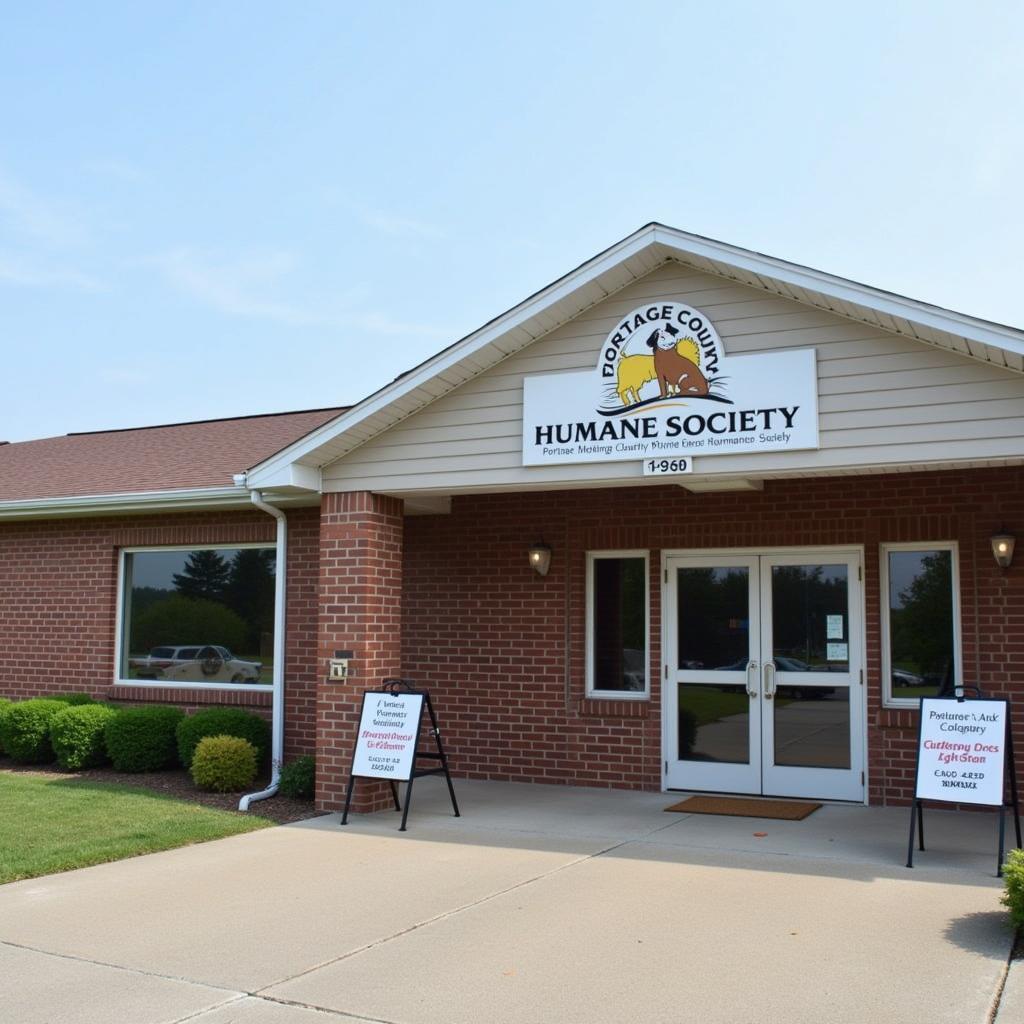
{"x": 541, "y": 904}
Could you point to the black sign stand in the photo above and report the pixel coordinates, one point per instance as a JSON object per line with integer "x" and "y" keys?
{"x": 1009, "y": 766}
{"x": 396, "y": 686}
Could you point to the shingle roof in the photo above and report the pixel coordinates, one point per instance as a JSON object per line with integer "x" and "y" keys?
{"x": 174, "y": 457}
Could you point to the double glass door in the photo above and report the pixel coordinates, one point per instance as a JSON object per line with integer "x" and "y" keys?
{"x": 763, "y": 678}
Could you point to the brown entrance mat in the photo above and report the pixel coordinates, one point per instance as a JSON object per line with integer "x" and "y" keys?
{"x": 787, "y": 810}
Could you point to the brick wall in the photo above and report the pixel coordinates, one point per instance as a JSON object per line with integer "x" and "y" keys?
{"x": 361, "y": 612}
{"x": 502, "y": 649}
{"x": 58, "y": 606}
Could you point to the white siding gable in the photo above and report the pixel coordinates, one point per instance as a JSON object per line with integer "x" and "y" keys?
{"x": 885, "y": 401}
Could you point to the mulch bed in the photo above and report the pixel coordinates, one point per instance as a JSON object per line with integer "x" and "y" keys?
{"x": 176, "y": 783}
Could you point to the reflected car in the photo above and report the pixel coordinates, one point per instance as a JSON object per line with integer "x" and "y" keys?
{"x": 634, "y": 673}
{"x": 195, "y": 663}
{"x": 901, "y": 677}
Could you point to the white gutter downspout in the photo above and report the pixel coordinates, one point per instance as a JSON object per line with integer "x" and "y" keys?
{"x": 277, "y": 713}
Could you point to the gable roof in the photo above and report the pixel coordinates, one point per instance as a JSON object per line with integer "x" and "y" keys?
{"x": 199, "y": 456}
{"x": 602, "y": 276}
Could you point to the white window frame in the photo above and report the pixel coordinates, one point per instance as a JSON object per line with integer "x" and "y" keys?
{"x": 119, "y": 621}
{"x": 888, "y": 700}
{"x": 645, "y": 694}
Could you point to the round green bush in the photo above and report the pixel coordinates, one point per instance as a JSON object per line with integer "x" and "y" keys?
{"x": 225, "y": 764}
{"x": 222, "y": 722}
{"x": 298, "y": 778}
{"x": 25, "y": 729}
{"x": 72, "y": 699}
{"x": 142, "y": 739}
{"x": 4, "y": 705}
{"x": 77, "y": 735}
{"x": 1013, "y": 896}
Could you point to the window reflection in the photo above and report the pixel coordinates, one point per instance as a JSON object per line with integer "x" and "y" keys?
{"x": 204, "y": 615}
{"x": 714, "y": 724}
{"x": 921, "y": 624}
{"x": 810, "y": 618}
{"x": 619, "y": 608}
{"x": 714, "y": 618}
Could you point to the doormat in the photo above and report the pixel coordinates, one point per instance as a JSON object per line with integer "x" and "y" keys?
{"x": 787, "y": 810}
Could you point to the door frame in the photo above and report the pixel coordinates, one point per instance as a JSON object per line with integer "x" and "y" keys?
{"x": 803, "y": 550}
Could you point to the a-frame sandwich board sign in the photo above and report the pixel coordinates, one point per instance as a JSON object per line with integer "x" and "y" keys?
{"x": 965, "y": 756}
{"x": 387, "y": 744}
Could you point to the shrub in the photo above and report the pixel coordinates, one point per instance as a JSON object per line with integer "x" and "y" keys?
{"x": 4, "y": 705}
{"x": 222, "y": 722}
{"x": 298, "y": 778}
{"x": 71, "y": 699}
{"x": 26, "y": 730}
{"x": 142, "y": 739}
{"x": 77, "y": 735}
{"x": 225, "y": 764}
{"x": 1013, "y": 897}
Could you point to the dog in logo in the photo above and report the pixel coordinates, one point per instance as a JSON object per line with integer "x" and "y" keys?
{"x": 632, "y": 373}
{"x": 677, "y": 374}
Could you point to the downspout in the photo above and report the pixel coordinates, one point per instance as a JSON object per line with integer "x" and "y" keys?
{"x": 277, "y": 712}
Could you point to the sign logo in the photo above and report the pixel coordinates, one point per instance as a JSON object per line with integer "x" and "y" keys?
{"x": 666, "y": 352}
{"x": 663, "y": 388}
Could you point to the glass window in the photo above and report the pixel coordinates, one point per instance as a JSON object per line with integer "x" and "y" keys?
{"x": 617, "y": 625}
{"x": 184, "y": 612}
{"x": 921, "y": 630}
{"x": 714, "y": 618}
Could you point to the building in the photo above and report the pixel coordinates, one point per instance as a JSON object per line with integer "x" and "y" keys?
{"x": 689, "y": 518}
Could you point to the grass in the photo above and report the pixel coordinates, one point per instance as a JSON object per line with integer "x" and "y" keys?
{"x": 54, "y": 825}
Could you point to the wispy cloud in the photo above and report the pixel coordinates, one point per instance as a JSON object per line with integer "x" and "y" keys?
{"x": 119, "y": 170}
{"x": 27, "y": 213}
{"x": 397, "y": 226}
{"x": 244, "y": 286}
{"x": 25, "y": 272}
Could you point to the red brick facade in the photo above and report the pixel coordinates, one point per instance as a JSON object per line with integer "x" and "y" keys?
{"x": 502, "y": 649}
{"x": 450, "y": 602}
{"x": 58, "y": 607}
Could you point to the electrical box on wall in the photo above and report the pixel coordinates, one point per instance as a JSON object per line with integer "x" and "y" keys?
{"x": 338, "y": 672}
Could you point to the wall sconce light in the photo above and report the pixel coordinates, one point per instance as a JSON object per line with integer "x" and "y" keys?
{"x": 540, "y": 558}
{"x": 1002, "y": 548}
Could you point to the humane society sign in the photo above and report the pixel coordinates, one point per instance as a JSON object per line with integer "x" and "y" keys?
{"x": 663, "y": 386}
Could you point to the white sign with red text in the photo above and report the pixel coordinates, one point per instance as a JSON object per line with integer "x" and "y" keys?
{"x": 962, "y": 751}
{"x": 386, "y": 744}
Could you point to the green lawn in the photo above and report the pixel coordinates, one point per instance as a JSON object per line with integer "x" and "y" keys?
{"x": 53, "y": 825}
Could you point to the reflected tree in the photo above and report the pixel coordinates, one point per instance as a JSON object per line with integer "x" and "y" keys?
{"x": 921, "y": 619}
{"x": 205, "y": 576}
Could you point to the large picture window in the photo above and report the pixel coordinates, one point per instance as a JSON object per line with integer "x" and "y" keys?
{"x": 920, "y": 622}
{"x": 197, "y": 616}
{"x": 617, "y": 624}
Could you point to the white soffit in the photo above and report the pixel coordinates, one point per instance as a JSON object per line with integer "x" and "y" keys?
{"x": 602, "y": 276}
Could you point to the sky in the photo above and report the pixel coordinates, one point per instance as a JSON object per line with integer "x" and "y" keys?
{"x": 225, "y": 208}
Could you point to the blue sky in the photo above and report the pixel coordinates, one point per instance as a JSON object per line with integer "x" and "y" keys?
{"x": 213, "y": 209}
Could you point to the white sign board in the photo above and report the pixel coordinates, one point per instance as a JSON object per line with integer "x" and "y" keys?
{"x": 664, "y": 388}
{"x": 962, "y": 751}
{"x": 388, "y": 728}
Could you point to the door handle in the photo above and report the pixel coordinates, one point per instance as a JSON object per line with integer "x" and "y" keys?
{"x": 768, "y": 678}
{"x": 751, "y": 667}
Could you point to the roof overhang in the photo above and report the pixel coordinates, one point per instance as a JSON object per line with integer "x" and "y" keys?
{"x": 597, "y": 279}
{"x": 143, "y": 502}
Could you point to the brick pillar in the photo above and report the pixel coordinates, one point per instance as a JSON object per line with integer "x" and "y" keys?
{"x": 360, "y": 611}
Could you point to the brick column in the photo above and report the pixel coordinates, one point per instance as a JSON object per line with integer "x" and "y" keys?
{"x": 360, "y": 611}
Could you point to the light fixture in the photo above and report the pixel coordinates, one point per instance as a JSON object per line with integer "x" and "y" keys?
{"x": 540, "y": 558}
{"x": 1002, "y": 548}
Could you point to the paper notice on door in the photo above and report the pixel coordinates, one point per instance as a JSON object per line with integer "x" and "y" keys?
{"x": 834, "y": 627}
{"x": 837, "y": 652}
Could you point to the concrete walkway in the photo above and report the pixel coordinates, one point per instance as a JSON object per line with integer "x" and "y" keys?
{"x": 541, "y": 904}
